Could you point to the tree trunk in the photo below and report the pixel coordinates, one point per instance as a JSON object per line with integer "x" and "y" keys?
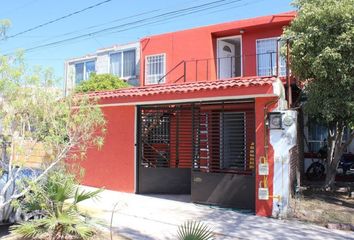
{"x": 334, "y": 152}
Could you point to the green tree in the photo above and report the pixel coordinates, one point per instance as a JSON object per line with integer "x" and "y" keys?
{"x": 33, "y": 112}
{"x": 322, "y": 52}
{"x": 98, "y": 82}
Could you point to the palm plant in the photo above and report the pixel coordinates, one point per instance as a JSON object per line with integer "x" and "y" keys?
{"x": 194, "y": 230}
{"x": 56, "y": 199}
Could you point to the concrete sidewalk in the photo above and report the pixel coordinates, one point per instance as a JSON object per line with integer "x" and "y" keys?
{"x": 158, "y": 217}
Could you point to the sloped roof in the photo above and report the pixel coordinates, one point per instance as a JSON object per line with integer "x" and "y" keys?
{"x": 188, "y": 87}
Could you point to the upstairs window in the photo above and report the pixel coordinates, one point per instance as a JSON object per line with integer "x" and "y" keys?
{"x": 155, "y": 69}
{"x": 267, "y": 50}
{"x": 83, "y": 70}
{"x": 123, "y": 64}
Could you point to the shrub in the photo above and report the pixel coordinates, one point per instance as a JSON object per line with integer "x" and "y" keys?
{"x": 98, "y": 82}
{"x": 194, "y": 230}
{"x": 56, "y": 199}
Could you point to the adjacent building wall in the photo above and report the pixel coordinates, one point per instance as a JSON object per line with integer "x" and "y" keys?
{"x": 102, "y": 58}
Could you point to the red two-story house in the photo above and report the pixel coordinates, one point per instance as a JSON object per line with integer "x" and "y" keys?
{"x": 197, "y": 123}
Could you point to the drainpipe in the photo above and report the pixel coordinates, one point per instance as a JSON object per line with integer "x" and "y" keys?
{"x": 266, "y": 146}
{"x": 288, "y": 74}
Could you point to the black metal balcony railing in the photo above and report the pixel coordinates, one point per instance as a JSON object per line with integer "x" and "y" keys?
{"x": 263, "y": 64}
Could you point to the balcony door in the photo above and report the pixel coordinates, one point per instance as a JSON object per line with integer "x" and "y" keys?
{"x": 229, "y": 57}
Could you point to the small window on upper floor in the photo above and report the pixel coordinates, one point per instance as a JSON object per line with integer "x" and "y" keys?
{"x": 83, "y": 70}
{"x": 155, "y": 69}
{"x": 267, "y": 50}
{"x": 123, "y": 64}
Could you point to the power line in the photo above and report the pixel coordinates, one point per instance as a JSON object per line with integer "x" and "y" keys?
{"x": 175, "y": 16}
{"x": 95, "y": 26}
{"x": 58, "y": 19}
{"x": 160, "y": 17}
{"x": 218, "y": 10}
{"x": 102, "y": 24}
{"x": 238, "y": 6}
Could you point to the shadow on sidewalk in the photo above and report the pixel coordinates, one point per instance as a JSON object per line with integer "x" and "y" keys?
{"x": 131, "y": 233}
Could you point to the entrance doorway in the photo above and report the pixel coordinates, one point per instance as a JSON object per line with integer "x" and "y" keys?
{"x": 229, "y": 59}
{"x": 205, "y": 149}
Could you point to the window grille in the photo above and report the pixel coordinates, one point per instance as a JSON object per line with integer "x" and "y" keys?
{"x": 233, "y": 140}
{"x": 155, "y": 69}
{"x": 158, "y": 129}
{"x": 208, "y": 137}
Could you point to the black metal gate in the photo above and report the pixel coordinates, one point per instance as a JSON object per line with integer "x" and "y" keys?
{"x": 206, "y": 149}
{"x": 165, "y": 150}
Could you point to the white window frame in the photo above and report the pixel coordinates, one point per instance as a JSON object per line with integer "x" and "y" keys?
{"x": 84, "y": 69}
{"x": 122, "y": 62}
{"x": 279, "y": 57}
{"x": 164, "y": 67}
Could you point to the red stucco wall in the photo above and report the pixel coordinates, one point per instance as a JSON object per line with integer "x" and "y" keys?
{"x": 200, "y": 44}
{"x": 263, "y": 207}
{"x": 112, "y": 167}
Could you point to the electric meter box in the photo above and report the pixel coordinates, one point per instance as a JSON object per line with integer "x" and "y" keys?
{"x": 263, "y": 169}
{"x": 263, "y": 193}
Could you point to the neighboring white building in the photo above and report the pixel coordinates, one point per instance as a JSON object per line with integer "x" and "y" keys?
{"x": 120, "y": 60}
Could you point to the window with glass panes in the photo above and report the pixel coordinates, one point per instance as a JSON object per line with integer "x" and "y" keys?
{"x": 123, "y": 63}
{"x": 317, "y": 134}
{"x": 155, "y": 67}
{"x": 267, "y": 57}
{"x": 83, "y": 70}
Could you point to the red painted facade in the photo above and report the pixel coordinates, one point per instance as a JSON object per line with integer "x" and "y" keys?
{"x": 199, "y": 45}
{"x": 113, "y": 167}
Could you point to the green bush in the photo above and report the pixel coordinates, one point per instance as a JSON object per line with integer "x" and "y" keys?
{"x": 56, "y": 200}
{"x": 98, "y": 82}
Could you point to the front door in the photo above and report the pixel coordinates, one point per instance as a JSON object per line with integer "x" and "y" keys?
{"x": 226, "y": 59}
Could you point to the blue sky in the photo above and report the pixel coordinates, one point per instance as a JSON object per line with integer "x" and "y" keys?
{"x": 25, "y": 14}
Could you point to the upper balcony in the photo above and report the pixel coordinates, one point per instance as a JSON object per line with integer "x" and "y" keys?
{"x": 227, "y": 66}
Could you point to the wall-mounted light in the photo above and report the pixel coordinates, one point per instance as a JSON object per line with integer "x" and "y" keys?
{"x": 275, "y": 120}
{"x": 242, "y": 31}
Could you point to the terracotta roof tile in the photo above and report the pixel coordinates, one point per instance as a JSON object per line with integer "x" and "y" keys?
{"x": 184, "y": 87}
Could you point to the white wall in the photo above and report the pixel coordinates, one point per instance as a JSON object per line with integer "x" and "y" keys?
{"x": 102, "y": 57}
{"x": 282, "y": 140}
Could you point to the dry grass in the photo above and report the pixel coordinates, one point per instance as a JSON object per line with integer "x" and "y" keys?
{"x": 323, "y": 207}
